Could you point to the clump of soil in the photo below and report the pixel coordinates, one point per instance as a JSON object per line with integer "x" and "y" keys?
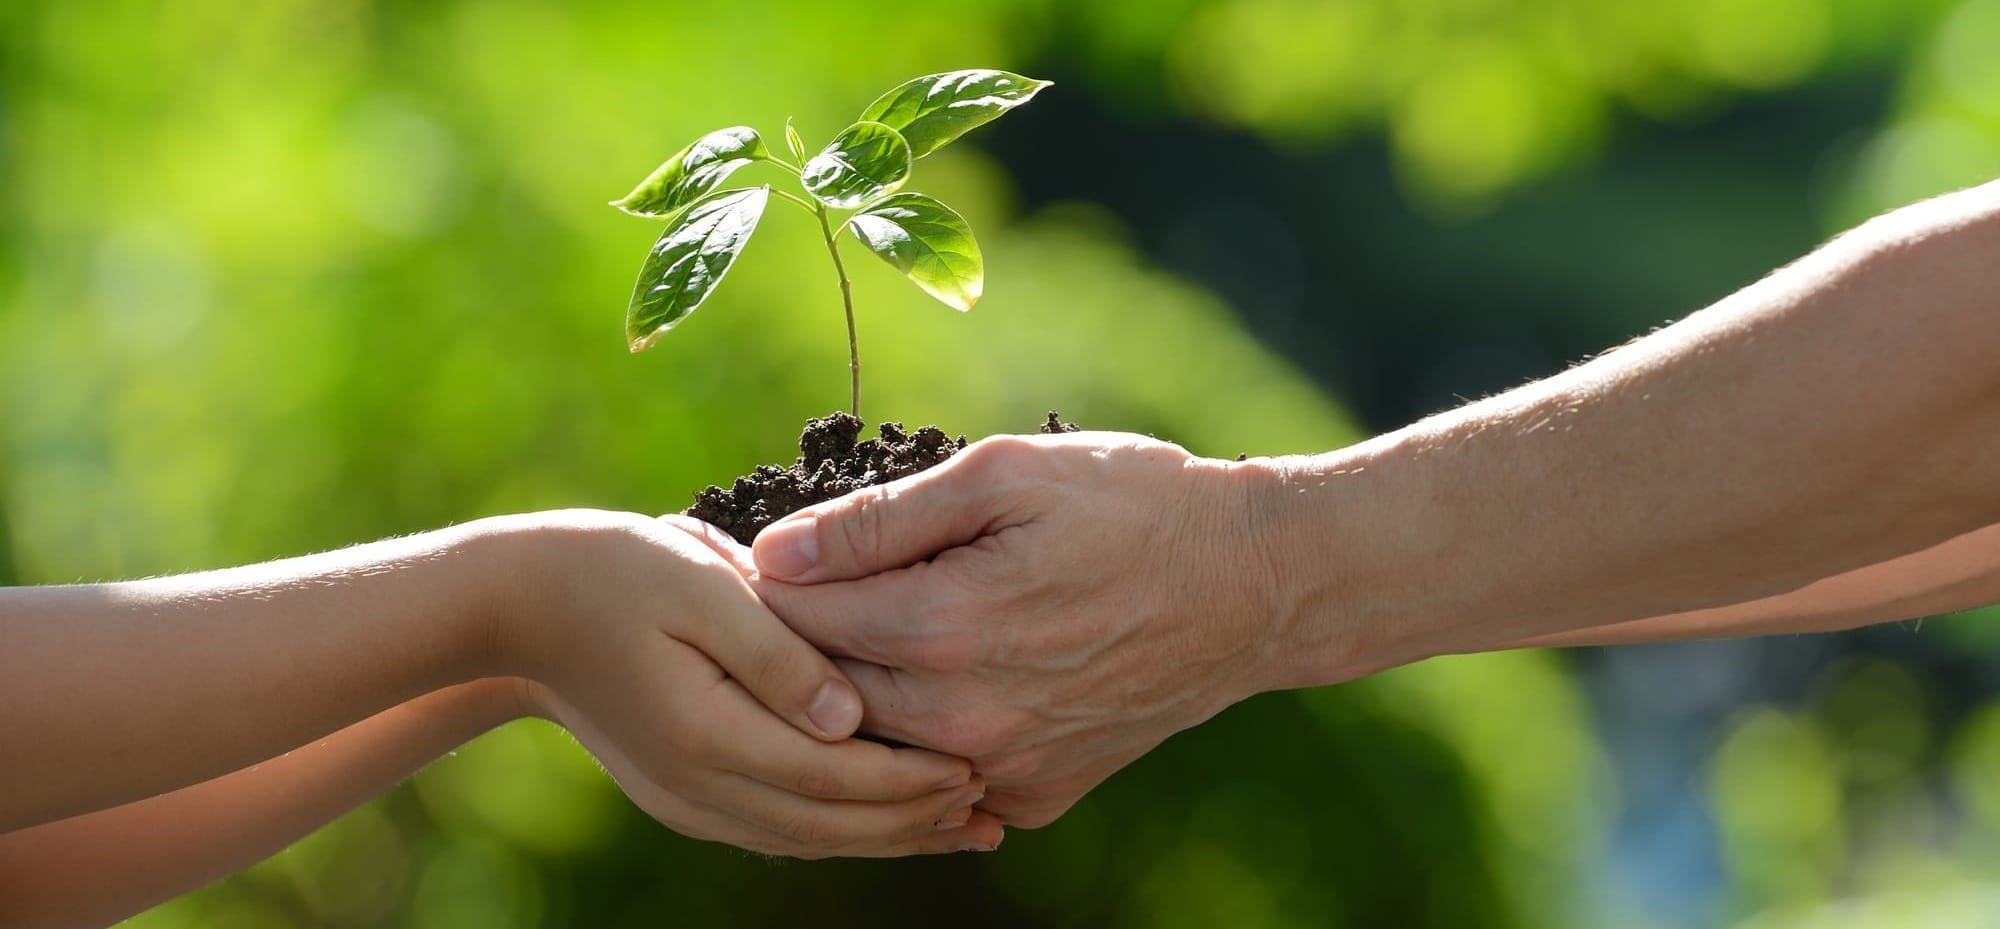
{"x": 834, "y": 460}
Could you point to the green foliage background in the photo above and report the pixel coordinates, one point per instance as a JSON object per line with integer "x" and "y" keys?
{"x": 286, "y": 276}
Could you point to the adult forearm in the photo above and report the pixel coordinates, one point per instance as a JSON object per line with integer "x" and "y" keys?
{"x": 100, "y": 867}
{"x": 114, "y": 692}
{"x": 1837, "y": 414}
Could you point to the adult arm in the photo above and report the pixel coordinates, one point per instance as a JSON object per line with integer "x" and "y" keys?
{"x": 1838, "y": 414}
{"x": 1052, "y": 607}
{"x": 98, "y": 868}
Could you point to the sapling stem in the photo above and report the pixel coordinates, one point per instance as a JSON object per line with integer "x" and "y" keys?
{"x": 846, "y": 302}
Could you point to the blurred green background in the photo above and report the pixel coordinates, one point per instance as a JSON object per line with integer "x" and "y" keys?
{"x": 282, "y": 276}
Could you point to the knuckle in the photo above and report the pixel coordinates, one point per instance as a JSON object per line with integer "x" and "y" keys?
{"x": 816, "y": 782}
{"x": 989, "y": 459}
{"x": 863, "y": 530}
{"x": 771, "y": 659}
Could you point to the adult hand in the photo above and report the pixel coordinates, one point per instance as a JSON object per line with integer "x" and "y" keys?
{"x": 1051, "y": 607}
{"x": 711, "y": 715}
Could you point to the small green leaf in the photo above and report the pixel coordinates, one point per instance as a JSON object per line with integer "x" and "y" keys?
{"x": 927, "y": 241}
{"x": 694, "y": 172}
{"x": 689, "y": 260}
{"x": 793, "y": 142}
{"x": 935, "y": 109}
{"x": 866, "y": 161}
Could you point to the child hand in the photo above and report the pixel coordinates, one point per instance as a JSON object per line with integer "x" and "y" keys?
{"x": 653, "y": 651}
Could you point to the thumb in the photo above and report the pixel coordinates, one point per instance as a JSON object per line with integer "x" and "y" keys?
{"x": 783, "y": 671}
{"x": 882, "y": 528}
{"x": 754, "y": 647}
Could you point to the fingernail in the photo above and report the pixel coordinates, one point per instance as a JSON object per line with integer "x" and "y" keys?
{"x": 953, "y": 819}
{"x": 977, "y": 847}
{"x": 788, "y": 549}
{"x": 835, "y": 710}
{"x": 966, "y": 802}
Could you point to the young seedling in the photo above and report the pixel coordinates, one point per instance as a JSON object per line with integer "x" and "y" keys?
{"x": 861, "y": 170}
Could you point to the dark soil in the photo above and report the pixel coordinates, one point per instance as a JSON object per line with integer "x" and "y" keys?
{"x": 834, "y": 460}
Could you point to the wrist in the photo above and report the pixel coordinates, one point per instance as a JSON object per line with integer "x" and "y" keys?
{"x": 503, "y": 564}
{"x": 1347, "y": 559}
{"x": 497, "y": 701}
{"x": 544, "y": 586}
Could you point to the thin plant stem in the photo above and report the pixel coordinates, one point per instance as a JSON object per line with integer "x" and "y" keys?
{"x": 795, "y": 198}
{"x": 847, "y": 302}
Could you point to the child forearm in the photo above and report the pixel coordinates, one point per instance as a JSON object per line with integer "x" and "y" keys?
{"x": 97, "y": 868}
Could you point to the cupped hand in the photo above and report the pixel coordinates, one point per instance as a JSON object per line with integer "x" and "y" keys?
{"x": 1051, "y": 607}
{"x": 713, "y": 716}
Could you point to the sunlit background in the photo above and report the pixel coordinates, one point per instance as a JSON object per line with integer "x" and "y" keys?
{"x": 278, "y": 277}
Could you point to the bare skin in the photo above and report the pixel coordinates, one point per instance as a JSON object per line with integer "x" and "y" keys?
{"x": 1816, "y": 451}
{"x": 128, "y": 711}
{"x": 1959, "y": 574}
{"x": 98, "y": 868}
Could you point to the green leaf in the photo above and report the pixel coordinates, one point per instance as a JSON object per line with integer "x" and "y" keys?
{"x": 793, "y": 142}
{"x": 935, "y": 109}
{"x": 689, "y": 260}
{"x": 927, "y": 241}
{"x": 866, "y": 161}
{"x": 694, "y": 172}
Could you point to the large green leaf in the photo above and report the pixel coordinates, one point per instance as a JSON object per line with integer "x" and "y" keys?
{"x": 935, "y": 109}
{"x": 927, "y": 241}
{"x": 694, "y": 172}
{"x": 689, "y": 260}
{"x": 866, "y": 161}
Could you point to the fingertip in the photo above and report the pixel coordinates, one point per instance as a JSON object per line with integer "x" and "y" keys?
{"x": 982, "y": 832}
{"x": 969, "y": 795}
{"x": 928, "y": 771}
{"x": 952, "y": 819}
{"x": 836, "y": 711}
{"x": 788, "y": 549}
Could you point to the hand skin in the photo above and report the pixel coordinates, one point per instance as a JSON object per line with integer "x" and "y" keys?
{"x": 1052, "y": 607}
{"x": 650, "y": 648}
{"x": 1090, "y": 595}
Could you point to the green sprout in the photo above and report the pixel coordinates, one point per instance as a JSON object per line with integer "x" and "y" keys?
{"x": 861, "y": 170}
